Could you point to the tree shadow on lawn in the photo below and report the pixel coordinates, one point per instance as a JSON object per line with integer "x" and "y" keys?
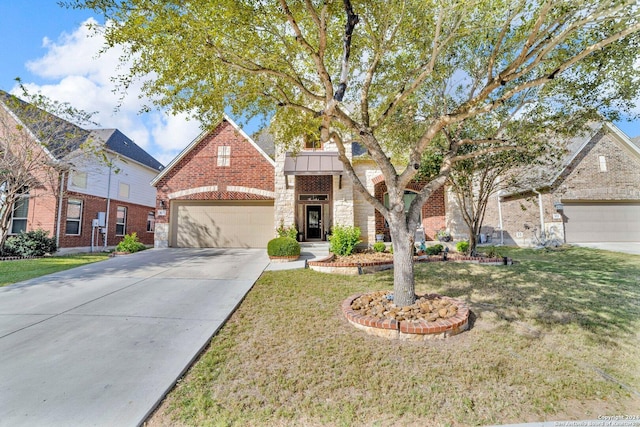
{"x": 596, "y": 290}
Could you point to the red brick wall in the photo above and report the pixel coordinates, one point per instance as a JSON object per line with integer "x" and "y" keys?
{"x": 199, "y": 168}
{"x": 433, "y": 211}
{"x": 91, "y": 205}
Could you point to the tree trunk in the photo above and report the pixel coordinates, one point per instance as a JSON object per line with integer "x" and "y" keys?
{"x": 403, "y": 280}
{"x": 473, "y": 242}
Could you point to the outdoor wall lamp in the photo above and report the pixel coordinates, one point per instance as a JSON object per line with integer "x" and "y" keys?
{"x": 162, "y": 205}
{"x": 559, "y": 206}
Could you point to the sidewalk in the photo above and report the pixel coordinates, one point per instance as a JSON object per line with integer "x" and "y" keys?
{"x": 308, "y": 251}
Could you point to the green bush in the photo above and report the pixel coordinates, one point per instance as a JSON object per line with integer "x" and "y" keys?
{"x": 434, "y": 250}
{"x": 493, "y": 252}
{"x": 379, "y": 247}
{"x": 31, "y": 243}
{"x": 131, "y": 244}
{"x": 283, "y": 231}
{"x": 283, "y": 246}
{"x": 344, "y": 239}
{"x": 462, "y": 247}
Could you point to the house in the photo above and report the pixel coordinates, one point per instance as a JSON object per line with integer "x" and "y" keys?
{"x": 218, "y": 192}
{"x": 227, "y": 190}
{"x": 92, "y": 187}
{"x": 593, "y": 195}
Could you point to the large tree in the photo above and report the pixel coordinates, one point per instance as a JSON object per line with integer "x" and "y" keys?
{"x": 392, "y": 74}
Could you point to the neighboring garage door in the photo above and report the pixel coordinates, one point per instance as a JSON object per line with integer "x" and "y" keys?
{"x": 221, "y": 224}
{"x": 602, "y": 222}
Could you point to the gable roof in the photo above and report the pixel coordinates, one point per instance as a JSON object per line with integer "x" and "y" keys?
{"x": 118, "y": 142}
{"x": 63, "y": 137}
{"x": 200, "y": 138}
{"x": 546, "y": 176}
{"x": 59, "y": 137}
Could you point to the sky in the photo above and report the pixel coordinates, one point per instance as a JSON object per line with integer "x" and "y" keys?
{"x": 52, "y": 51}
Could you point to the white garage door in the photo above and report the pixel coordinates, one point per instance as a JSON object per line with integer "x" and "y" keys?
{"x": 602, "y": 222}
{"x": 244, "y": 224}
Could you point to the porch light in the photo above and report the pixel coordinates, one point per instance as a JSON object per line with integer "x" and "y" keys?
{"x": 558, "y": 206}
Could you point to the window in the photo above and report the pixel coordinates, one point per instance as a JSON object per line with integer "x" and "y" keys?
{"x": 123, "y": 191}
{"x": 79, "y": 179}
{"x": 224, "y": 155}
{"x": 602, "y": 160}
{"x": 151, "y": 221}
{"x": 19, "y": 214}
{"x": 121, "y": 221}
{"x": 74, "y": 215}
{"x": 311, "y": 143}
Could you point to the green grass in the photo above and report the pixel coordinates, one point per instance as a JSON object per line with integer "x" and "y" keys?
{"x": 19, "y": 270}
{"x": 553, "y": 337}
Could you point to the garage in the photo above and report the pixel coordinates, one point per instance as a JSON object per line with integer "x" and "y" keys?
{"x": 222, "y": 224}
{"x": 602, "y": 222}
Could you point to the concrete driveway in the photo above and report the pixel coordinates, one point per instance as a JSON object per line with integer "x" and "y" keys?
{"x": 624, "y": 247}
{"x": 101, "y": 344}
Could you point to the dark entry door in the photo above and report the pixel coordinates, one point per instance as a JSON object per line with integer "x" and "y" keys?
{"x": 314, "y": 222}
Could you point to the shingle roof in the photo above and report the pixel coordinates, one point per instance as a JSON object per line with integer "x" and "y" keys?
{"x": 62, "y": 137}
{"x": 265, "y": 141}
{"x": 118, "y": 142}
{"x": 59, "y": 136}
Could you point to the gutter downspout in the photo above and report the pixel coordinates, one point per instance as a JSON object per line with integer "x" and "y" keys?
{"x": 106, "y": 221}
{"x": 500, "y": 218}
{"x": 542, "y": 230}
{"x": 60, "y": 196}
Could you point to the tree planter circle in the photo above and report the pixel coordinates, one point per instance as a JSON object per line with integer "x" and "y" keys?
{"x": 437, "y": 317}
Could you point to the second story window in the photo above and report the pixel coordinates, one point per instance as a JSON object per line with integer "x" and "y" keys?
{"x": 123, "y": 191}
{"x": 79, "y": 179}
{"x": 224, "y": 155}
{"x": 311, "y": 143}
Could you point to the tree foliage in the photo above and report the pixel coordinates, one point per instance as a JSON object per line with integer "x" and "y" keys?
{"x": 394, "y": 75}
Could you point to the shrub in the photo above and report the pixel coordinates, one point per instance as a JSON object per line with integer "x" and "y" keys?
{"x": 379, "y": 247}
{"x": 434, "y": 250}
{"x": 391, "y": 249}
{"x": 283, "y": 246}
{"x": 283, "y": 231}
{"x": 462, "y": 247}
{"x": 131, "y": 244}
{"x": 493, "y": 252}
{"x": 344, "y": 239}
{"x": 31, "y": 243}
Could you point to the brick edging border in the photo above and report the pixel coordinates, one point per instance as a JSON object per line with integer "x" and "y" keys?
{"x": 409, "y": 330}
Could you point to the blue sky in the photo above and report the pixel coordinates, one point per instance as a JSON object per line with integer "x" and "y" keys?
{"x": 50, "y": 50}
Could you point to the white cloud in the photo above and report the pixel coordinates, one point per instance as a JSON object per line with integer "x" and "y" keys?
{"x": 82, "y": 76}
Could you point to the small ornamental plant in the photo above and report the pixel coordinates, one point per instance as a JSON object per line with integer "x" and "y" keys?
{"x": 344, "y": 239}
{"x": 283, "y": 247}
{"x": 379, "y": 247}
{"x": 462, "y": 247}
{"x": 283, "y": 231}
{"x": 131, "y": 244}
{"x": 434, "y": 250}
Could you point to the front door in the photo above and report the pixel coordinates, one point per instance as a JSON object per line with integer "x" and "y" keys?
{"x": 314, "y": 222}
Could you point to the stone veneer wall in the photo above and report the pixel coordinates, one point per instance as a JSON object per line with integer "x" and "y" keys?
{"x": 364, "y": 213}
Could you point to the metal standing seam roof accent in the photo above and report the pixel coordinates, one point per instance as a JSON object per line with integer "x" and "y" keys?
{"x": 313, "y": 163}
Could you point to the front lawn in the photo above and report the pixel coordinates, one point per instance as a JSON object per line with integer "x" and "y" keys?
{"x": 554, "y": 337}
{"x": 24, "y": 269}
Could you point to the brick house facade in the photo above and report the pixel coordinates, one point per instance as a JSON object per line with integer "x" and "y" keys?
{"x": 75, "y": 186}
{"x": 220, "y": 174}
{"x": 593, "y": 195}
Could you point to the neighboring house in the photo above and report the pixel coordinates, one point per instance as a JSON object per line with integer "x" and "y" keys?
{"x": 92, "y": 197}
{"x": 592, "y": 196}
{"x": 227, "y": 190}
